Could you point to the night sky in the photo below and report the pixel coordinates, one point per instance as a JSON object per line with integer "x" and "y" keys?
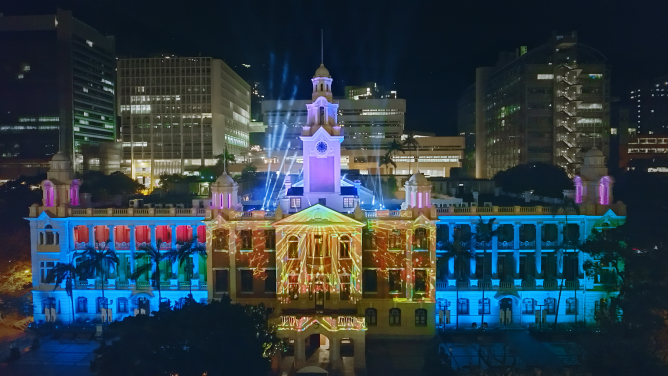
{"x": 427, "y": 50}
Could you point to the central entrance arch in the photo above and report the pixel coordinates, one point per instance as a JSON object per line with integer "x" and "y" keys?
{"x": 317, "y": 348}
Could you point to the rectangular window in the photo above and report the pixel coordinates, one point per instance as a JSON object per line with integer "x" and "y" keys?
{"x": 394, "y": 279}
{"x": 318, "y": 246}
{"x": 44, "y": 268}
{"x": 220, "y": 241}
{"x": 348, "y": 202}
{"x": 246, "y": 240}
{"x": 293, "y": 287}
{"x": 421, "y": 239}
{"x": 246, "y": 280}
{"x": 295, "y": 203}
{"x": 221, "y": 280}
{"x": 394, "y": 240}
{"x": 270, "y": 281}
{"x": 369, "y": 280}
{"x": 270, "y": 239}
{"x": 463, "y": 306}
{"x": 545, "y": 77}
{"x": 486, "y": 305}
{"x": 421, "y": 280}
{"x": 368, "y": 240}
{"x": 345, "y": 286}
{"x": 122, "y": 305}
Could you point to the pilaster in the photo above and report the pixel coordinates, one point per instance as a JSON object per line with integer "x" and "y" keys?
{"x": 538, "y": 254}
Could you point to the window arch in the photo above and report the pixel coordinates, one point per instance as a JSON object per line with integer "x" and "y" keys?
{"x": 395, "y": 317}
{"x": 420, "y": 317}
{"x": 50, "y": 239}
{"x": 550, "y": 304}
{"x": 528, "y": 305}
{"x": 321, "y": 89}
{"x": 293, "y": 247}
{"x": 82, "y": 304}
{"x": 371, "y": 315}
{"x": 344, "y": 247}
{"x": 463, "y": 306}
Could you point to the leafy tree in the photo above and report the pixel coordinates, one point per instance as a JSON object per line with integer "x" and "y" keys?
{"x": 154, "y": 257}
{"x": 213, "y": 339}
{"x": 569, "y": 242}
{"x": 541, "y": 178}
{"x": 103, "y": 187}
{"x": 185, "y": 252}
{"x": 98, "y": 263}
{"x": 68, "y": 273}
{"x": 386, "y": 160}
{"x": 461, "y": 252}
{"x": 15, "y": 276}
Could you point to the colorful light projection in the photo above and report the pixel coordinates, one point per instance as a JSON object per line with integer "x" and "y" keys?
{"x": 328, "y": 259}
{"x": 398, "y": 247}
{"x": 329, "y": 323}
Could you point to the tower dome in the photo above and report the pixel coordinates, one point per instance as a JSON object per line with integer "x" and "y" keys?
{"x": 321, "y": 72}
{"x": 225, "y": 180}
{"x": 418, "y": 191}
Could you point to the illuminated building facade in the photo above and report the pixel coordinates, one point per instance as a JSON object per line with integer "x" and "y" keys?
{"x": 334, "y": 276}
{"x": 649, "y": 108}
{"x": 178, "y": 113}
{"x": 57, "y": 88}
{"x": 546, "y": 105}
{"x": 369, "y": 91}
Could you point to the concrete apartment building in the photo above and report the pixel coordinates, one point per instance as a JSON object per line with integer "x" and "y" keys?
{"x": 550, "y": 104}
{"x": 58, "y": 91}
{"x": 178, "y": 113}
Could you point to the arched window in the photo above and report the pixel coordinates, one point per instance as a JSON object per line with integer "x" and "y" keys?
{"x": 371, "y": 317}
{"x": 483, "y": 304}
{"x": 102, "y": 303}
{"x": 344, "y": 247}
{"x": 550, "y": 304}
{"x": 420, "y": 317}
{"x": 82, "y": 305}
{"x": 293, "y": 247}
{"x": 395, "y": 317}
{"x": 322, "y": 116}
{"x": 528, "y": 306}
{"x": 321, "y": 87}
{"x": 571, "y": 306}
{"x": 463, "y": 306}
{"x": 579, "y": 189}
{"x": 122, "y": 305}
{"x": 604, "y": 189}
{"x": 49, "y": 234}
{"x": 48, "y": 303}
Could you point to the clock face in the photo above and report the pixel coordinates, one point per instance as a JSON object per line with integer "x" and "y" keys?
{"x": 321, "y": 147}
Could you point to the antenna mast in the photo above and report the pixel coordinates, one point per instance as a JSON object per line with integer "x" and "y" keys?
{"x": 321, "y": 48}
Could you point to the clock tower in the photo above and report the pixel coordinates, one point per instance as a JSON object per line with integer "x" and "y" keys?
{"x": 322, "y": 137}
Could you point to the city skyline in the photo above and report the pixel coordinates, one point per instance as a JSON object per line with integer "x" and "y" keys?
{"x": 384, "y": 43}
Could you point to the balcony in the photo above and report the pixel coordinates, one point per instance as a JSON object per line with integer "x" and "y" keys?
{"x": 114, "y": 284}
{"x": 527, "y": 285}
{"x": 330, "y": 323}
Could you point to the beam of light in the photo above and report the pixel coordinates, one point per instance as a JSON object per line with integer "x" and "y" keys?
{"x": 269, "y": 192}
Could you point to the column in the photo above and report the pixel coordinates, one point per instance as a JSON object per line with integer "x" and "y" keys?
{"x": 495, "y": 251}
{"x": 335, "y": 350}
{"x": 560, "y": 234}
{"x": 112, "y": 241}
{"x": 91, "y": 235}
{"x": 451, "y": 232}
{"x": 474, "y": 248}
{"x": 173, "y": 227}
{"x": 360, "y": 351}
{"x": 195, "y": 257}
{"x": 153, "y": 240}
{"x": 133, "y": 247}
{"x": 300, "y": 351}
{"x": 516, "y": 235}
{"x": 410, "y": 283}
{"x": 538, "y": 253}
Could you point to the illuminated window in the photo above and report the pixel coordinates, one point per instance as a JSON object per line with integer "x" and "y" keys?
{"x": 295, "y": 203}
{"x": 348, "y": 202}
{"x": 420, "y": 317}
{"x": 269, "y": 239}
{"x": 545, "y": 76}
{"x": 395, "y": 317}
{"x": 318, "y": 247}
{"x": 344, "y": 282}
{"x": 394, "y": 280}
{"x": 44, "y": 269}
{"x": 221, "y": 280}
{"x": 293, "y": 287}
{"x": 246, "y": 280}
{"x": 344, "y": 247}
{"x": 371, "y": 315}
{"x": 528, "y": 305}
{"x": 463, "y": 306}
{"x": 220, "y": 241}
{"x": 596, "y": 76}
{"x": 420, "y": 239}
{"x": 420, "y": 281}
{"x": 613, "y": 130}
{"x": 246, "y": 240}
{"x": 368, "y": 240}
{"x": 394, "y": 240}
{"x": 550, "y": 303}
{"x": 369, "y": 280}
{"x": 293, "y": 247}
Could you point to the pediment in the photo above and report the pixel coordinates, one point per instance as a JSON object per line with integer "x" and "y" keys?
{"x": 318, "y": 215}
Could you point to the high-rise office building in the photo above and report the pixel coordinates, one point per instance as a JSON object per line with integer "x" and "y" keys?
{"x": 57, "y": 88}
{"x": 179, "y": 113}
{"x": 649, "y": 109}
{"x": 551, "y": 104}
{"x": 369, "y": 91}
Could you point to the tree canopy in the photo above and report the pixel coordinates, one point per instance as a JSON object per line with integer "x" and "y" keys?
{"x": 103, "y": 187}
{"x": 219, "y": 338}
{"x": 541, "y": 178}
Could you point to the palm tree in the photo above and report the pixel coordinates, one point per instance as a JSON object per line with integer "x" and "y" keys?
{"x": 65, "y": 272}
{"x": 566, "y": 205}
{"x": 185, "y": 252}
{"x": 394, "y": 147}
{"x": 485, "y": 233}
{"x": 411, "y": 143}
{"x": 224, "y": 159}
{"x": 99, "y": 262}
{"x": 152, "y": 254}
{"x": 386, "y": 160}
{"x": 459, "y": 250}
